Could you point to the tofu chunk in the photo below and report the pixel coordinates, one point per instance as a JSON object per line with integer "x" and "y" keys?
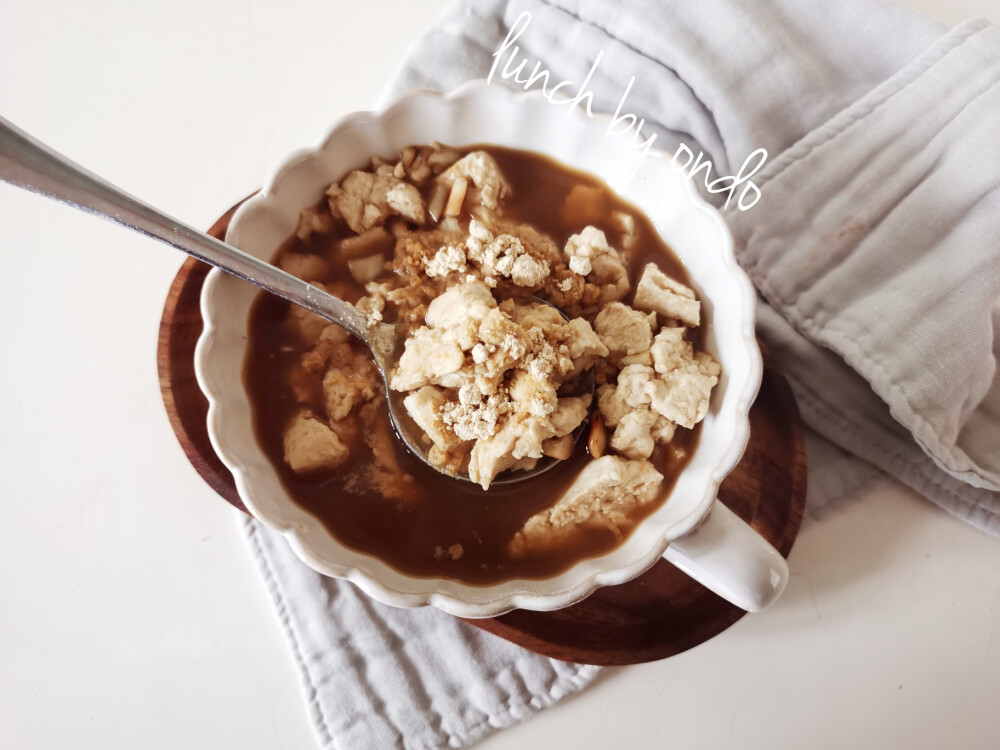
{"x": 589, "y": 254}
{"x": 682, "y": 395}
{"x": 482, "y": 170}
{"x": 331, "y": 345}
{"x": 612, "y": 404}
{"x": 641, "y": 358}
{"x": 501, "y": 335}
{"x": 341, "y": 393}
{"x": 657, "y": 292}
{"x": 606, "y": 493}
{"x": 366, "y": 199}
{"x": 520, "y": 437}
{"x": 305, "y": 266}
{"x": 462, "y": 308}
{"x": 569, "y": 414}
{"x": 310, "y": 445}
{"x": 534, "y": 315}
{"x": 634, "y": 384}
{"x": 624, "y": 331}
{"x": 307, "y": 326}
{"x": 626, "y": 224}
{"x": 428, "y": 356}
{"x": 670, "y": 350}
{"x": 532, "y": 394}
{"x": 404, "y": 199}
{"x": 583, "y": 342}
{"x": 492, "y": 455}
{"x": 313, "y": 221}
{"x": 663, "y": 429}
{"x": 424, "y": 407}
{"x": 632, "y": 437}
{"x": 634, "y": 423}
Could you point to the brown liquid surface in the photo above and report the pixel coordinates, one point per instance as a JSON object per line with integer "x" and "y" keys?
{"x": 411, "y": 535}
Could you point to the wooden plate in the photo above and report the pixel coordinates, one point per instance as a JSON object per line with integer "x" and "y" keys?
{"x": 659, "y": 614}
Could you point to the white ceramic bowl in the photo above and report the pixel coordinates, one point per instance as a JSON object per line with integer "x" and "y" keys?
{"x": 481, "y": 113}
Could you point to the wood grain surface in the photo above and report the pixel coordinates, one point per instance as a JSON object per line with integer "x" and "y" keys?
{"x": 659, "y": 614}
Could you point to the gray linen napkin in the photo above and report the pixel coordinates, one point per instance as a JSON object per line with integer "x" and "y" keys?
{"x": 884, "y": 279}
{"x": 379, "y": 677}
{"x": 875, "y": 245}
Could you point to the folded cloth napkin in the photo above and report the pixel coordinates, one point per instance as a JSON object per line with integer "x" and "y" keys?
{"x": 380, "y": 677}
{"x": 875, "y": 245}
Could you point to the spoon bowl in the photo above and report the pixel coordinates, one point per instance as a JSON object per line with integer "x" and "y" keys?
{"x": 411, "y": 435}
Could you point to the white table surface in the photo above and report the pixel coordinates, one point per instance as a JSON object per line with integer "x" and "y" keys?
{"x": 130, "y": 613}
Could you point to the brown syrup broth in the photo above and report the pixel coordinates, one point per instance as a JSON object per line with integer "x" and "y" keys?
{"x": 444, "y": 511}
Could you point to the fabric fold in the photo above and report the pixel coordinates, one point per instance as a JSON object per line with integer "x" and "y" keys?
{"x": 890, "y": 256}
{"x": 377, "y": 677}
{"x": 859, "y": 422}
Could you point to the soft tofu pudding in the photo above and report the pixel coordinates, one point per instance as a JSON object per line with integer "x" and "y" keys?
{"x": 516, "y": 281}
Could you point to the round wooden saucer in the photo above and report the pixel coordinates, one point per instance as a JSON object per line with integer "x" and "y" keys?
{"x": 659, "y": 614}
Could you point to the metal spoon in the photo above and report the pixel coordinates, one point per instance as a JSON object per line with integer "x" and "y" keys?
{"x": 31, "y": 165}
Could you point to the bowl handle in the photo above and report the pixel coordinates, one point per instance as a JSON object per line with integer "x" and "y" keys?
{"x": 728, "y": 557}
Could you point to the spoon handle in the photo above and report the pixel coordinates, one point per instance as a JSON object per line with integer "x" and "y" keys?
{"x": 33, "y": 166}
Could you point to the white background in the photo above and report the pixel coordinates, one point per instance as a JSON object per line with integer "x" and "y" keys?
{"x": 130, "y": 613}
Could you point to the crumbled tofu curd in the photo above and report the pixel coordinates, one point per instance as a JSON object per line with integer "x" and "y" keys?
{"x": 483, "y": 380}
{"x": 506, "y": 326}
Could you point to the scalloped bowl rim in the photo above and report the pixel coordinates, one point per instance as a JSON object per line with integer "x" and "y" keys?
{"x": 318, "y": 548}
